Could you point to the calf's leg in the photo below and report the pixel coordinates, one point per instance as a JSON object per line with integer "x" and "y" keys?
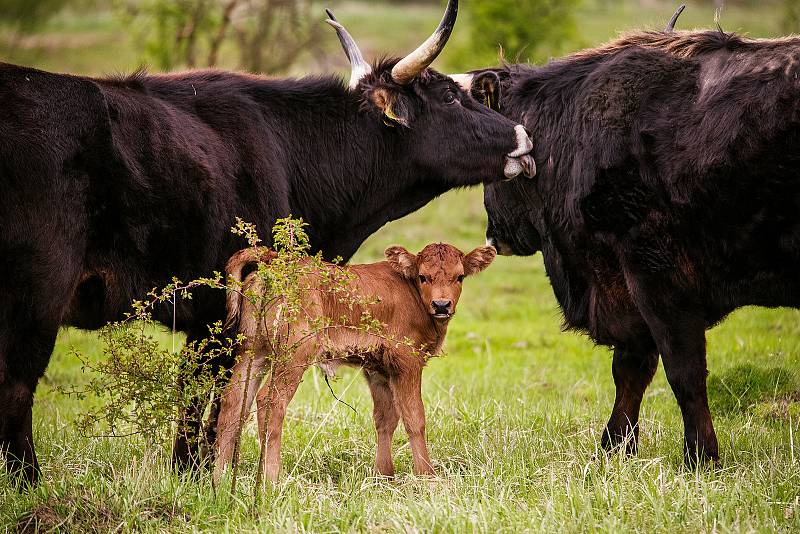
{"x": 386, "y": 419}
{"x": 407, "y": 390}
{"x": 235, "y": 405}
{"x": 633, "y": 369}
{"x": 274, "y": 397}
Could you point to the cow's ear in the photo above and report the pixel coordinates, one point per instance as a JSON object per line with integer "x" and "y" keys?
{"x": 478, "y": 260}
{"x": 393, "y": 106}
{"x": 486, "y": 88}
{"x": 402, "y": 261}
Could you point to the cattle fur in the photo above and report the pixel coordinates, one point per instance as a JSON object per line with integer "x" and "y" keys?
{"x": 667, "y": 196}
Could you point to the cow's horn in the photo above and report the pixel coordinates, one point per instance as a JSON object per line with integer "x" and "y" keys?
{"x": 671, "y": 24}
{"x": 358, "y": 66}
{"x": 410, "y": 66}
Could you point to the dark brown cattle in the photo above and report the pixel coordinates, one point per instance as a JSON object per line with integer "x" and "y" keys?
{"x": 667, "y": 196}
{"x": 417, "y": 296}
{"x": 110, "y": 187}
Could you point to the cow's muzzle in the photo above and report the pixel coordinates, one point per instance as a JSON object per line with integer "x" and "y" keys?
{"x": 520, "y": 161}
{"x": 503, "y": 249}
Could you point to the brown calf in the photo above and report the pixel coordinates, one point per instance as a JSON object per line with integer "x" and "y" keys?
{"x": 416, "y": 297}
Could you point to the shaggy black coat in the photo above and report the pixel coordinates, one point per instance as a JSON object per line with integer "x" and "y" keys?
{"x": 668, "y": 195}
{"x": 110, "y": 187}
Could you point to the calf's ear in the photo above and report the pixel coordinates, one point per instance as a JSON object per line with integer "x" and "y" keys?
{"x": 393, "y": 106}
{"x": 402, "y": 261}
{"x": 478, "y": 260}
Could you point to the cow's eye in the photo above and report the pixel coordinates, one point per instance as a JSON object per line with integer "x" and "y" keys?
{"x": 449, "y": 97}
{"x": 423, "y": 279}
{"x": 460, "y": 278}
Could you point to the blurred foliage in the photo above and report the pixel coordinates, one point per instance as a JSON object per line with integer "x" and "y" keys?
{"x": 534, "y": 30}
{"x": 27, "y": 13}
{"x": 267, "y": 35}
{"x": 97, "y": 37}
{"x": 791, "y": 16}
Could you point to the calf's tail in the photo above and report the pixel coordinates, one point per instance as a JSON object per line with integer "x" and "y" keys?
{"x": 233, "y": 270}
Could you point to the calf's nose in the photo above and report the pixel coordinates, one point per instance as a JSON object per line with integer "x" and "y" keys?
{"x": 442, "y": 304}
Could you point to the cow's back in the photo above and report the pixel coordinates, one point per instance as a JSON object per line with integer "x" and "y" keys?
{"x": 673, "y": 156}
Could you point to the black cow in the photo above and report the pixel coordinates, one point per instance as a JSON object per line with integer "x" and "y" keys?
{"x": 668, "y": 196}
{"x": 110, "y": 187}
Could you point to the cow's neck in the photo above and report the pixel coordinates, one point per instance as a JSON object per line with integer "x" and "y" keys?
{"x": 362, "y": 181}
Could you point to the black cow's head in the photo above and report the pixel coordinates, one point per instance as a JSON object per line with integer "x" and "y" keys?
{"x": 447, "y": 133}
{"x": 513, "y": 208}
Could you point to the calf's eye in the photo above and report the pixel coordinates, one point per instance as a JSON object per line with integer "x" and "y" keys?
{"x": 460, "y": 278}
{"x": 423, "y": 279}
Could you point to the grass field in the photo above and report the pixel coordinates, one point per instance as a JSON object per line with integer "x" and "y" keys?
{"x": 514, "y": 414}
{"x": 515, "y": 410}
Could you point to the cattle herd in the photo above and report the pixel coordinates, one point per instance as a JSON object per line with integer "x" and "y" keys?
{"x": 660, "y": 186}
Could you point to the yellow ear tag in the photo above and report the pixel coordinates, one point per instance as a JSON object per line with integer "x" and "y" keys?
{"x": 489, "y": 100}
{"x": 389, "y": 113}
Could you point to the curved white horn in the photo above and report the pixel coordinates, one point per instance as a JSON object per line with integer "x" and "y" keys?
{"x": 358, "y": 66}
{"x": 410, "y": 66}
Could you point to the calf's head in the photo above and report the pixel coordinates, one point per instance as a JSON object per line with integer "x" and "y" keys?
{"x": 443, "y": 131}
{"x": 438, "y": 272}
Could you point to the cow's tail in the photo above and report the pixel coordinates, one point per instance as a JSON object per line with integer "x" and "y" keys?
{"x": 245, "y": 258}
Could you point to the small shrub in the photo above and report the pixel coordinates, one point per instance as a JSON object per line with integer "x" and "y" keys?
{"x": 142, "y": 387}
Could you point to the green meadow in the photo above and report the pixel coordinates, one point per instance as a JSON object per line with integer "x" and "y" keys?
{"x": 515, "y": 406}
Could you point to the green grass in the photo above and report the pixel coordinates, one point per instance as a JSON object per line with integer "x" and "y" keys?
{"x": 514, "y": 414}
{"x": 515, "y": 408}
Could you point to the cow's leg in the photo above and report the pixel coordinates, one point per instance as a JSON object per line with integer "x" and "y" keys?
{"x": 680, "y": 337}
{"x": 16, "y": 432}
{"x": 239, "y": 394}
{"x": 386, "y": 419}
{"x": 633, "y": 369}
{"x": 28, "y": 328}
{"x": 407, "y": 390}
{"x": 210, "y": 432}
{"x": 682, "y": 345}
{"x": 189, "y": 439}
{"x": 273, "y": 400}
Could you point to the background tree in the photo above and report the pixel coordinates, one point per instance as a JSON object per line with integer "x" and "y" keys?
{"x": 538, "y": 29}
{"x": 27, "y": 13}
{"x": 791, "y": 17}
{"x": 266, "y": 35}
{"x": 20, "y": 16}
